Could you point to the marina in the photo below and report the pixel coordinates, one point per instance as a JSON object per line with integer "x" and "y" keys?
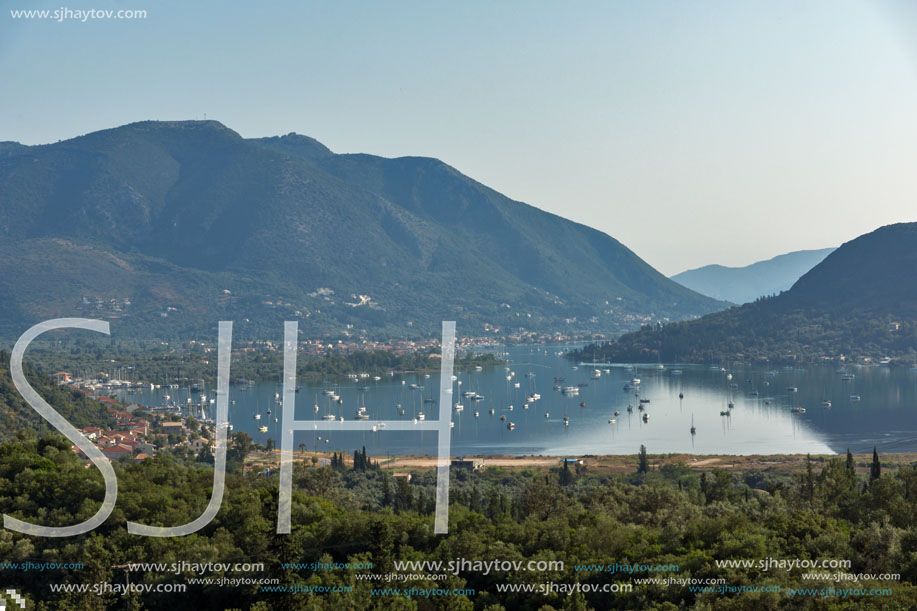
{"x": 559, "y": 407}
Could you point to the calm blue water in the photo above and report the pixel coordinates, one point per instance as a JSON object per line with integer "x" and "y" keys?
{"x": 886, "y": 414}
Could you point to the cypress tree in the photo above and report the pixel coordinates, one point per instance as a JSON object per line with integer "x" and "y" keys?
{"x": 810, "y": 478}
{"x": 851, "y": 466}
{"x": 876, "y": 469}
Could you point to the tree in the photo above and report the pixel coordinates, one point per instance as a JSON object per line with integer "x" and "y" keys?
{"x": 644, "y": 461}
{"x": 810, "y": 478}
{"x": 875, "y": 471}
{"x": 566, "y": 478}
{"x": 851, "y": 466}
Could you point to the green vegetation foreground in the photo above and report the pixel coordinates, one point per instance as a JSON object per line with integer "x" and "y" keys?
{"x": 358, "y": 513}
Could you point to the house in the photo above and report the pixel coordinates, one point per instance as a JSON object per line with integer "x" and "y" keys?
{"x": 91, "y": 432}
{"x": 142, "y": 456}
{"x": 471, "y": 464}
{"x": 199, "y": 444}
{"x": 117, "y": 451}
{"x": 147, "y": 448}
{"x": 62, "y": 377}
{"x": 171, "y": 427}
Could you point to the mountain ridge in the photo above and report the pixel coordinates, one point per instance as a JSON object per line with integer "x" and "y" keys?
{"x": 853, "y": 304}
{"x": 274, "y": 220}
{"x": 743, "y": 284}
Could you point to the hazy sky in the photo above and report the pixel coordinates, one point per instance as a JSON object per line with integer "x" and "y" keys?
{"x": 693, "y": 132}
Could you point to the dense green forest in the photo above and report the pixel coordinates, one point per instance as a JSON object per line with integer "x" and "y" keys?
{"x": 358, "y": 513}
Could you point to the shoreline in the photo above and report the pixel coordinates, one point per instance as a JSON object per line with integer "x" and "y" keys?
{"x": 611, "y": 463}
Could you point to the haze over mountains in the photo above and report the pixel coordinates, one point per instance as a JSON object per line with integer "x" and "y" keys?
{"x": 860, "y": 301}
{"x": 164, "y": 228}
{"x": 743, "y": 284}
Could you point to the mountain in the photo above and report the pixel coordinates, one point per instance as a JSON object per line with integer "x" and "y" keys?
{"x": 860, "y": 301}
{"x": 164, "y": 228}
{"x": 744, "y": 284}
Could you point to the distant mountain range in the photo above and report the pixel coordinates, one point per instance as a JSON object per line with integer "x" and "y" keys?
{"x": 744, "y": 284}
{"x": 860, "y": 301}
{"x": 164, "y": 228}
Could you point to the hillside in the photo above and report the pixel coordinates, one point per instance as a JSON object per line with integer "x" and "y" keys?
{"x": 860, "y": 301}
{"x": 17, "y": 415}
{"x": 166, "y": 227}
{"x": 745, "y": 284}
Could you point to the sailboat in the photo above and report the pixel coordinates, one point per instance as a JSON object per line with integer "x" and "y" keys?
{"x": 693, "y": 430}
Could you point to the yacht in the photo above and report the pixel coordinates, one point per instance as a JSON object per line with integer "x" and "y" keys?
{"x": 798, "y": 410}
{"x": 826, "y": 403}
{"x": 792, "y": 389}
{"x": 617, "y": 413}
{"x": 566, "y": 421}
{"x": 611, "y": 421}
{"x": 328, "y": 417}
{"x": 854, "y": 397}
{"x": 693, "y": 430}
{"x": 420, "y": 416}
{"x": 646, "y": 417}
{"x": 510, "y": 426}
{"x": 262, "y": 429}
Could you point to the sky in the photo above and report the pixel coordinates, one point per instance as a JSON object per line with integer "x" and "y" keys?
{"x": 693, "y": 132}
